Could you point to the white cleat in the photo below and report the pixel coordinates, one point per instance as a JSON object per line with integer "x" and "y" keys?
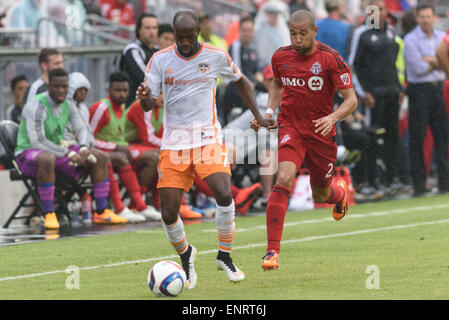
{"x": 150, "y": 213}
{"x": 189, "y": 268}
{"x": 232, "y": 271}
{"x": 131, "y": 216}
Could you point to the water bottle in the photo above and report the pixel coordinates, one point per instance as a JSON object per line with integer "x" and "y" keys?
{"x": 86, "y": 208}
{"x": 76, "y": 213}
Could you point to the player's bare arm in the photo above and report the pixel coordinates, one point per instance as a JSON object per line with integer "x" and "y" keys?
{"x": 324, "y": 125}
{"x": 143, "y": 93}
{"x": 245, "y": 90}
{"x": 443, "y": 56}
{"x": 274, "y": 100}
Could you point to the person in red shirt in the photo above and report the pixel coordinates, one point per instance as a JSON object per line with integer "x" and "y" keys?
{"x": 107, "y": 120}
{"x": 307, "y": 75}
{"x": 121, "y": 12}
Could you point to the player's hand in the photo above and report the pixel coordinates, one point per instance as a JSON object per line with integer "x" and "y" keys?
{"x": 323, "y": 125}
{"x": 143, "y": 92}
{"x": 76, "y": 159}
{"x": 266, "y": 121}
{"x": 85, "y": 152}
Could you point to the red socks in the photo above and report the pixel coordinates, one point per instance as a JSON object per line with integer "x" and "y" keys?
{"x": 129, "y": 179}
{"x": 336, "y": 194}
{"x": 276, "y": 209}
{"x": 114, "y": 191}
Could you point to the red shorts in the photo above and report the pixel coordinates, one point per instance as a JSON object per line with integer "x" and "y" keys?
{"x": 318, "y": 154}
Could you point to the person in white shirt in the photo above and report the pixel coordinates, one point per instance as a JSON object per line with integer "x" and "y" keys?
{"x": 186, "y": 74}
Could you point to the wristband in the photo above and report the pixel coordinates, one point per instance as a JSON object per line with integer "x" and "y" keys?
{"x": 269, "y": 111}
{"x": 83, "y": 148}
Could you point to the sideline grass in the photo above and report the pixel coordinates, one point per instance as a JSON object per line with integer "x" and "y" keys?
{"x": 320, "y": 259}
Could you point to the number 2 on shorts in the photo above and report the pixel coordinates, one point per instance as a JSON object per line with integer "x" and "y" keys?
{"x": 329, "y": 173}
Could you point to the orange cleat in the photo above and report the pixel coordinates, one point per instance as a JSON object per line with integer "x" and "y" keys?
{"x": 108, "y": 217}
{"x": 246, "y": 197}
{"x": 51, "y": 221}
{"x": 186, "y": 212}
{"x": 270, "y": 261}
{"x": 339, "y": 209}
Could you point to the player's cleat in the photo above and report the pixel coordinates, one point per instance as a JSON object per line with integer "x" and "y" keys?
{"x": 270, "y": 261}
{"x": 187, "y": 260}
{"x": 246, "y": 196}
{"x": 131, "y": 216}
{"x": 339, "y": 209}
{"x": 108, "y": 217}
{"x": 51, "y": 221}
{"x": 150, "y": 213}
{"x": 186, "y": 212}
{"x": 232, "y": 271}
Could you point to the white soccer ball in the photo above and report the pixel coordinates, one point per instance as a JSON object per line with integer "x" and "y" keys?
{"x": 166, "y": 279}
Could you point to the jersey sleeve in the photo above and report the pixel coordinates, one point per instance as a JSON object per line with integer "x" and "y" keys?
{"x": 340, "y": 74}
{"x": 228, "y": 70}
{"x": 153, "y": 78}
{"x": 275, "y": 65}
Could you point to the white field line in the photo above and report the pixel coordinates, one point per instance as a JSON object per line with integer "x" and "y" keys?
{"x": 349, "y": 216}
{"x": 255, "y": 245}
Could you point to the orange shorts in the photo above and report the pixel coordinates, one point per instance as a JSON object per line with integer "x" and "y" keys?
{"x": 176, "y": 167}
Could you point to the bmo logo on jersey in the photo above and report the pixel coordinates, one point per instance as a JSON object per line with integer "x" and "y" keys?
{"x": 316, "y": 83}
{"x": 293, "y": 82}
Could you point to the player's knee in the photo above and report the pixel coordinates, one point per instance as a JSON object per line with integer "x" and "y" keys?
{"x": 169, "y": 212}
{"x": 102, "y": 158}
{"x": 224, "y": 199}
{"x": 152, "y": 157}
{"x": 119, "y": 160}
{"x": 46, "y": 161}
{"x": 285, "y": 179}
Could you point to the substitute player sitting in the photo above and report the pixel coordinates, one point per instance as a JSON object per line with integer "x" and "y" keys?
{"x": 40, "y": 154}
{"x": 307, "y": 75}
{"x": 187, "y": 74}
{"x": 107, "y": 120}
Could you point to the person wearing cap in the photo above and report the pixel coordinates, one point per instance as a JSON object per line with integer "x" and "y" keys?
{"x": 332, "y": 30}
{"x": 271, "y": 30}
{"x": 240, "y": 125}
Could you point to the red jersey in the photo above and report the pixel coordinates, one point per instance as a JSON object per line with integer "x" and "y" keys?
{"x": 309, "y": 84}
{"x": 148, "y": 124}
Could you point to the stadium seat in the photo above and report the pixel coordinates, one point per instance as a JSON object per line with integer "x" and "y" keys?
{"x": 66, "y": 188}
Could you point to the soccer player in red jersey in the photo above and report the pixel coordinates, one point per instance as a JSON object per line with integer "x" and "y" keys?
{"x": 307, "y": 75}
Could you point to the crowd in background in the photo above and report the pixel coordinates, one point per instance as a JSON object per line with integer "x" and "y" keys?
{"x": 387, "y": 143}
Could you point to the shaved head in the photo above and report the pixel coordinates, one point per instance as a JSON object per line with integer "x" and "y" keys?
{"x": 301, "y": 16}
{"x": 186, "y": 18}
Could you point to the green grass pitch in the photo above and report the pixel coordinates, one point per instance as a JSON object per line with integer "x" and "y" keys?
{"x": 406, "y": 242}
